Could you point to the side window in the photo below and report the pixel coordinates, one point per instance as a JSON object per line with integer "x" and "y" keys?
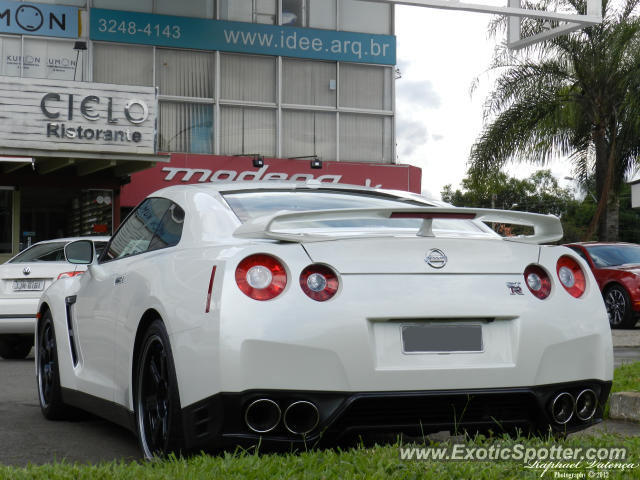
{"x": 135, "y": 235}
{"x": 169, "y": 231}
{"x": 581, "y": 253}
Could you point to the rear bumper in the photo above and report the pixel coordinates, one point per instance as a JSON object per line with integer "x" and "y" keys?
{"x": 18, "y": 316}
{"x": 344, "y": 417}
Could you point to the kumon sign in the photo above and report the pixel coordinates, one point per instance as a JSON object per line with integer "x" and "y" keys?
{"x": 190, "y": 168}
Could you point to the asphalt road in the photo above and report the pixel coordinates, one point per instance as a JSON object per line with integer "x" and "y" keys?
{"x": 26, "y": 437}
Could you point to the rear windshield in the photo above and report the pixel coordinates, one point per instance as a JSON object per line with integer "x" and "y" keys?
{"x": 42, "y": 252}
{"x": 612, "y": 255}
{"x": 248, "y": 205}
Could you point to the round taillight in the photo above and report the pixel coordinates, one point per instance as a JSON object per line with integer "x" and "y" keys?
{"x": 319, "y": 282}
{"x": 261, "y": 276}
{"x": 571, "y": 276}
{"x": 537, "y": 281}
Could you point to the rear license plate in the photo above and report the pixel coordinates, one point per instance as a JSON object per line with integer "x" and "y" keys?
{"x": 442, "y": 338}
{"x": 28, "y": 285}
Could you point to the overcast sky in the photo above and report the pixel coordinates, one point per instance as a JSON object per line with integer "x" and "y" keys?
{"x": 439, "y": 54}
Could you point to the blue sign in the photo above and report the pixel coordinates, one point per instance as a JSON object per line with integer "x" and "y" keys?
{"x": 38, "y": 19}
{"x": 203, "y": 34}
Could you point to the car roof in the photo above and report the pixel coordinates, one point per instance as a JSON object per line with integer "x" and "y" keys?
{"x": 100, "y": 238}
{"x": 175, "y": 191}
{"x": 601, "y": 244}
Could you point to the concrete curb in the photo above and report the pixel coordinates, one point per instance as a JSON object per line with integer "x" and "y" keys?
{"x": 625, "y": 406}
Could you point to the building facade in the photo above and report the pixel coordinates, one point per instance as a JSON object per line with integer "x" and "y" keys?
{"x": 268, "y": 79}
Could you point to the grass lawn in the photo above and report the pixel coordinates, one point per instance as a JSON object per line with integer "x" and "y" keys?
{"x": 381, "y": 462}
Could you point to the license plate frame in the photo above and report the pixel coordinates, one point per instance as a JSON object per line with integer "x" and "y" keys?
{"x": 441, "y": 338}
{"x": 31, "y": 285}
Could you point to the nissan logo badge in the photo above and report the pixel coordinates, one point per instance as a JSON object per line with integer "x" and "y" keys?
{"x": 26, "y": 271}
{"x": 436, "y": 258}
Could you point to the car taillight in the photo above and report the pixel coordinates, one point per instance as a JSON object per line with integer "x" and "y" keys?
{"x": 69, "y": 274}
{"x": 319, "y": 282}
{"x": 571, "y": 276}
{"x": 261, "y": 276}
{"x": 537, "y": 281}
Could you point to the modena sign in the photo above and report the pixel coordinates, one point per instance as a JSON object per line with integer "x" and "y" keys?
{"x": 77, "y": 116}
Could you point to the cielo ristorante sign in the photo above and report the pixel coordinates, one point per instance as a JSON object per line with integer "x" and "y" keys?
{"x": 204, "y": 34}
{"x": 206, "y": 169}
{"x": 77, "y": 116}
{"x": 39, "y": 19}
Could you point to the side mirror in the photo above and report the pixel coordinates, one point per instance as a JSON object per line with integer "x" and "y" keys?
{"x": 79, "y": 252}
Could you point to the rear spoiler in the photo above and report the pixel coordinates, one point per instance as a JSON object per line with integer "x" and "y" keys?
{"x": 547, "y": 228}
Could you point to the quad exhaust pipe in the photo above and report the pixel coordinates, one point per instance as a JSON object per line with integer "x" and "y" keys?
{"x": 264, "y": 415}
{"x": 301, "y": 417}
{"x": 564, "y": 405}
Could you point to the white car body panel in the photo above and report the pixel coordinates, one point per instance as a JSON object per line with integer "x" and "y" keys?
{"x": 351, "y": 343}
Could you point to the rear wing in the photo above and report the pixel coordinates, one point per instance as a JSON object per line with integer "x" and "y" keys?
{"x": 546, "y": 228}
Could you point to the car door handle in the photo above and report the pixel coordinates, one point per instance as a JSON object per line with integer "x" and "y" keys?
{"x": 119, "y": 280}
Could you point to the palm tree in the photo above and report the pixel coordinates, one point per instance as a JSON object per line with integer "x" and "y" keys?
{"x": 576, "y": 95}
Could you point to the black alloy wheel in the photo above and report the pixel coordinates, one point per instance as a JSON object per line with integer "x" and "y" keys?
{"x": 157, "y": 406}
{"x": 48, "y": 374}
{"x": 618, "y": 304}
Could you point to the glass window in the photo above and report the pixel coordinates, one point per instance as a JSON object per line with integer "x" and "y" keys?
{"x": 42, "y": 252}
{"x": 365, "y": 17}
{"x": 322, "y": 14}
{"x": 248, "y": 78}
{"x": 122, "y": 64}
{"x": 186, "y": 127}
{"x": 185, "y": 8}
{"x": 127, "y": 5}
{"x": 365, "y": 86}
{"x": 246, "y": 131}
{"x": 294, "y": 13}
{"x": 306, "y": 82}
{"x": 11, "y": 50}
{"x": 309, "y": 133}
{"x": 613, "y": 255}
{"x": 6, "y": 216}
{"x": 51, "y": 59}
{"x": 136, "y": 233}
{"x": 365, "y": 138}
{"x": 170, "y": 229}
{"x": 184, "y": 73}
{"x": 253, "y": 11}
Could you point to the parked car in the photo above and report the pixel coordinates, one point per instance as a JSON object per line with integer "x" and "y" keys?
{"x": 616, "y": 267}
{"x": 290, "y": 314}
{"x": 22, "y": 280}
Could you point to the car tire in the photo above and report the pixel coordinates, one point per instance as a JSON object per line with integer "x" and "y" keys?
{"x": 15, "y": 347}
{"x": 157, "y": 402}
{"x": 618, "y": 304}
{"x": 48, "y": 372}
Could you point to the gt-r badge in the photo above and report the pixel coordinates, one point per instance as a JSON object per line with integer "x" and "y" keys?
{"x": 26, "y": 271}
{"x": 436, "y": 258}
{"x": 515, "y": 288}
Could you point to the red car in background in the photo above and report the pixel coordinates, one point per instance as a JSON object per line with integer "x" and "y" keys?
{"x": 616, "y": 267}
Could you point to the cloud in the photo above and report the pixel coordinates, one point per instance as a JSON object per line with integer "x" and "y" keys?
{"x": 410, "y": 135}
{"x": 418, "y": 93}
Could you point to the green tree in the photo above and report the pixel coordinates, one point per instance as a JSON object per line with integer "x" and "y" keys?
{"x": 575, "y": 95}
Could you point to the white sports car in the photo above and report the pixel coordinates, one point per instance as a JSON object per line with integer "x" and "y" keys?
{"x": 225, "y": 315}
{"x": 23, "y": 278}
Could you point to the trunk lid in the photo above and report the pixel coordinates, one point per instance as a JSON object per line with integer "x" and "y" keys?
{"x": 411, "y": 255}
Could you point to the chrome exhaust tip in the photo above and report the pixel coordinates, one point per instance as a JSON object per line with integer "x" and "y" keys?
{"x": 586, "y": 404}
{"x": 262, "y": 415}
{"x": 301, "y": 417}
{"x": 562, "y": 408}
